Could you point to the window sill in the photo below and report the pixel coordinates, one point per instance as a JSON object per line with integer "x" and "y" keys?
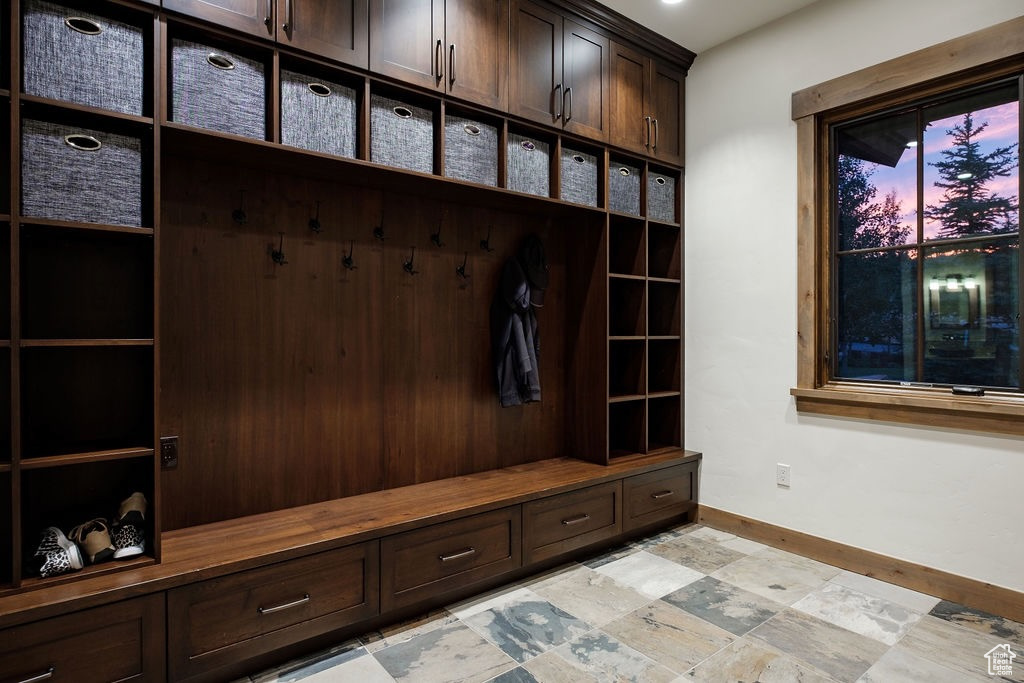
{"x": 1000, "y": 413}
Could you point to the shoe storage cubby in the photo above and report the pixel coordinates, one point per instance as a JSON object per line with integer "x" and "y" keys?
{"x": 87, "y": 491}
{"x": 664, "y": 421}
{"x": 626, "y": 368}
{"x": 627, "y": 307}
{"x": 79, "y": 284}
{"x": 663, "y": 251}
{"x": 626, "y": 246}
{"x": 105, "y": 402}
{"x": 627, "y": 427}
{"x": 664, "y": 309}
{"x": 665, "y": 374}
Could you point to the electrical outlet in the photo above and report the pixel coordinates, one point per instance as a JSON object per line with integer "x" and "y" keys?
{"x": 168, "y": 452}
{"x": 782, "y": 475}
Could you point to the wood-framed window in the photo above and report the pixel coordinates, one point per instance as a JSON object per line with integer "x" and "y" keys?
{"x": 910, "y": 280}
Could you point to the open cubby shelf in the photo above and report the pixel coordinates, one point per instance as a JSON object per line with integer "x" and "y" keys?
{"x": 626, "y": 247}
{"x": 663, "y": 252}
{"x": 627, "y": 431}
{"x": 627, "y": 307}
{"x": 664, "y": 422}
{"x": 626, "y": 368}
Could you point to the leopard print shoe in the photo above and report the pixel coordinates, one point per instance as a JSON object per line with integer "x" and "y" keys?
{"x": 129, "y": 541}
{"x": 56, "y": 555}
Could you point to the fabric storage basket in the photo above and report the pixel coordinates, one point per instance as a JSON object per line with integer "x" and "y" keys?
{"x": 661, "y": 197}
{"x": 470, "y": 151}
{"x": 217, "y": 90}
{"x": 77, "y": 174}
{"x": 624, "y": 188}
{"x": 318, "y": 115}
{"x": 401, "y": 135}
{"x": 579, "y": 177}
{"x": 529, "y": 165}
{"x": 82, "y": 57}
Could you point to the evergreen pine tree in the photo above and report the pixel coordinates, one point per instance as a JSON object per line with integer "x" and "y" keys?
{"x": 968, "y": 207}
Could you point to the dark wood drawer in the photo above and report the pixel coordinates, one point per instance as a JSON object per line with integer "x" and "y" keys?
{"x": 119, "y": 642}
{"x": 234, "y": 617}
{"x": 430, "y": 561}
{"x": 568, "y": 521}
{"x": 660, "y": 495}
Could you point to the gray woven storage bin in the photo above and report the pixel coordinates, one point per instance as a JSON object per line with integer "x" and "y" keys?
{"x": 93, "y": 186}
{"x": 624, "y": 188}
{"x": 470, "y": 151}
{"x": 228, "y": 100}
{"x": 102, "y": 70}
{"x": 318, "y": 115}
{"x": 579, "y": 177}
{"x": 661, "y": 197}
{"x": 401, "y": 135}
{"x": 529, "y": 165}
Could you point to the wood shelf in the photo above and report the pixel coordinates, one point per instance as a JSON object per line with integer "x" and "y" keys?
{"x": 626, "y": 398}
{"x": 664, "y": 337}
{"x": 5, "y": 343}
{"x": 666, "y": 280}
{"x": 624, "y": 276}
{"x": 663, "y": 394}
{"x": 624, "y": 337}
{"x": 45, "y": 104}
{"x": 78, "y": 343}
{"x": 75, "y": 225}
{"x": 181, "y": 140}
{"x": 48, "y": 461}
{"x": 4, "y": 92}
{"x": 663, "y": 224}
{"x": 627, "y": 216}
{"x": 88, "y": 572}
{"x": 5, "y": 467}
{"x": 5, "y": 218}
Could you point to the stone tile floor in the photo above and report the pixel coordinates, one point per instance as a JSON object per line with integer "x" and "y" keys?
{"x": 688, "y": 604}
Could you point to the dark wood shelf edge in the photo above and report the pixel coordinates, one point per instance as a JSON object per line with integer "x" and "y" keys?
{"x": 5, "y": 343}
{"x": 186, "y": 556}
{"x": 5, "y": 467}
{"x": 664, "y": 394}
{"x": 664, "y": 224}
{"x": 96, "y": 112}
{"x": 664, "y": 337}
{"x": 188, "y": 141}
{"x": 29, "y": 221}
{"x": 626, "y": 398}
{"x": 627, "y": 216}
{"x": 82, "y": 343}
{"x": 49, "y": 461}
{"x": 665, "y": 280}
{"x": 34, "y": 584}
{"x": 5, "y": 218}
{"x": 626, "y": 276}
{"x": 626, "y": 338}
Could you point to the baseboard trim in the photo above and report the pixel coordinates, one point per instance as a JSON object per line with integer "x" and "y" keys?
{"x": 960, "y": 589}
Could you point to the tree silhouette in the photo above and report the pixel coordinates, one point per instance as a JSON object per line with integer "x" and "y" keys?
{"x": 870, "y": 283}
{"x": 968, "y": 207}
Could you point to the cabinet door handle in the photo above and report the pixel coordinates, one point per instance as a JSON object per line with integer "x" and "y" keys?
{"x": 576, "y": 520}
{"x": 655, "y": 148}
{"x": 438, "y": 64}
{"x": 567, "y": 111}
{"x": 662, "y": 494}
{"x": 288, "y": 605}
{"x": 451, "y": 65}
{"x": 647, "y": 141}
{"x": 454, "y": 556}
{"x": 268, "y": 18}
{"x": 40, "y": 677}
{"x": 287, "y": 25}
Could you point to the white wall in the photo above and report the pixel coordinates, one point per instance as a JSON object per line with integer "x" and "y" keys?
{"x": 948, "y": 499}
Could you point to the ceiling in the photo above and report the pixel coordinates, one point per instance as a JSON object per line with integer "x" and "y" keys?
{"x": 699, "y": 25}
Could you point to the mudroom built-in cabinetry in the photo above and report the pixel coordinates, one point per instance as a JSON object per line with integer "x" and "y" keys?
{"x": 253, "y": 256}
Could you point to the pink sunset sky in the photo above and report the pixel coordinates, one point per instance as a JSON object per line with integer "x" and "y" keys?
{"x": 1003, "y": 130}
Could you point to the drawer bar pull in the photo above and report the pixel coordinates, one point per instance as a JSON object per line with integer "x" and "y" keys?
{"x": 576, "y": 520}
{"x": 288, "y": 605}
{"x": 662, "y": 494}
{"x": 46, "y": 675}
{"x": 454, "y": 556}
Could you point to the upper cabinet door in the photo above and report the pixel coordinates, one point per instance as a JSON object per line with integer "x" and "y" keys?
{"x": 477, "y": 37}
{"x": 255, "y": 17}
{"x": 407, "y": 40}
{"x": 668, "y": 92}
{"x": 336, "y": 29}
{"x": 630, "y": 82}
{"x": 585, "y": 95}
{"x": 535, "y": 91}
